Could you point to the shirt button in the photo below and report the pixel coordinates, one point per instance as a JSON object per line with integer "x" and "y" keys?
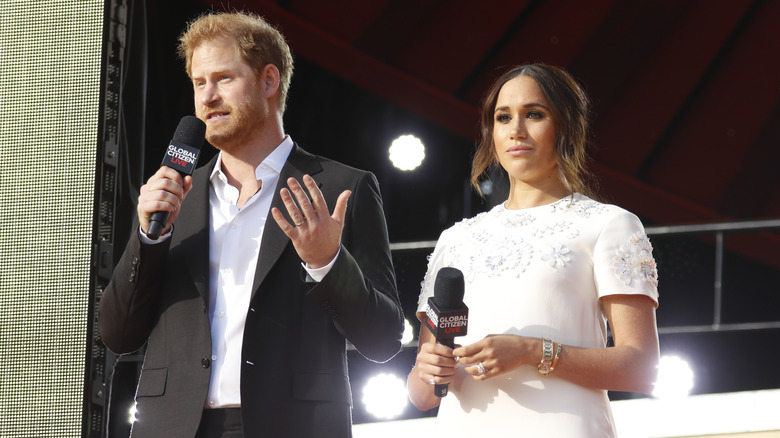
{"x": 213, "y": 357}
{"x": 221, "y": 314}
{"x": 212, "y": 403}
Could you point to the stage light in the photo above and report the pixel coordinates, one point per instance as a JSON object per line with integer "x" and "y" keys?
{"x": 385, "y": 396}
{"x": 131, "y": 414}
{"x": 408, "y": 335}
{"x": 675, "y": 378}
{"x": 407, "y": 152}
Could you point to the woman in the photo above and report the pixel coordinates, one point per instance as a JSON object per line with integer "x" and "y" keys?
{"x": 544, "y": 273}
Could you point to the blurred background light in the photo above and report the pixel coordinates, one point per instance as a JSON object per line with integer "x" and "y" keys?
{"x": 385, "y": 396}
{"x": 675, "y": 378}
{"x": 407, "y": 152}
{"x": 131, "y": 414}
{"x": 408, "y": 335}
{"x": 486, "y": 186}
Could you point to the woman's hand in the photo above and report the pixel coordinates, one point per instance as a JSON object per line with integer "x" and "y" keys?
{"x": 630, "y": 365}
{"x": 435, "y": 364}
{"x": 498, "y": 354}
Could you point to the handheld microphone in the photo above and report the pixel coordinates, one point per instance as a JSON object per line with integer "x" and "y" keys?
{"x": 182, "y": 155}
{"x": 447, "y": 316}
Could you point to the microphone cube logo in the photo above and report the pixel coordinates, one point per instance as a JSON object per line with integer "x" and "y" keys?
{"x": 181, "y": 157}
{"x": 446, "y": 323}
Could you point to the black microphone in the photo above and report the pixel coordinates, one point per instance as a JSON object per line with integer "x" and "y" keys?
{"x": 447, "y": 316}
{"x": 182, "y": 155}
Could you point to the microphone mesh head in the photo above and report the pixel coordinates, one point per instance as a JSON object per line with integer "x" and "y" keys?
{"x": 191, "y": 131}
{"x": 449, "y": 288}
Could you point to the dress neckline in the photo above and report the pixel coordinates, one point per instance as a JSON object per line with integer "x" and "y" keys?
{"x": 568, "y": 198}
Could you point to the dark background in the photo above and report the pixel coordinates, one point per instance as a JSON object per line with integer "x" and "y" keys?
{"x": 686, "y": 130}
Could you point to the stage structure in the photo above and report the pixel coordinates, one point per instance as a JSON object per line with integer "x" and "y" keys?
{"x": 61, "y": 70}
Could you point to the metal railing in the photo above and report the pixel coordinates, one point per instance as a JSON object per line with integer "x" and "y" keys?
{"x": 718, "y": 229}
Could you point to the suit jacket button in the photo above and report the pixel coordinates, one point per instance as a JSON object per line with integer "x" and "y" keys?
{"x": 205, "y": 362}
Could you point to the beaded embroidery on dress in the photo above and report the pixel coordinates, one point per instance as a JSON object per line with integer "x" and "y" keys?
{"x": 634, "y": 261}
{"x": 490, "y": 249}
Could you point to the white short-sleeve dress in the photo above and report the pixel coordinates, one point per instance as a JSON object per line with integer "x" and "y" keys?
{"x": 539, "y": 272}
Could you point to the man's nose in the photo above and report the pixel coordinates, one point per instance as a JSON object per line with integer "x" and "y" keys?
{"x": 209, "y": 94}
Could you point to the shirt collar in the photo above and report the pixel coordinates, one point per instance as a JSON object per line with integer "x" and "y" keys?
{"x": 275, "y": 160}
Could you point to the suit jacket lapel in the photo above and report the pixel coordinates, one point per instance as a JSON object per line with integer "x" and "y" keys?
{"x": 192, "y": 226}
{"x": 274, "y": 240}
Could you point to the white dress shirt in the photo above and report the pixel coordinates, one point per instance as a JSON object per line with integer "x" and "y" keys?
{"x": 235, "y": 236}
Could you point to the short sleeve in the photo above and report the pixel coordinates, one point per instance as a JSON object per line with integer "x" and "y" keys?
{"x": 623, "y": 260}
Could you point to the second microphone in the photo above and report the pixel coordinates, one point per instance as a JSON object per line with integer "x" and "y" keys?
{"x": 447, "y": 316}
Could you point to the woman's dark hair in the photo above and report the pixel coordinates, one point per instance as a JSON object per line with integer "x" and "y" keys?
{"x": 570, "y": 110}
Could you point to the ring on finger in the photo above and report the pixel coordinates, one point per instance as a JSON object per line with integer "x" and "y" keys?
{"x": 298, "y": 224}
{"x": 481, "y": 369}
{"x": 431, "y": 381}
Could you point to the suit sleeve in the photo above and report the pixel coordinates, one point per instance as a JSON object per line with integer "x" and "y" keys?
{"x": 360, "y": 291}
{"x": 129, "y": 305}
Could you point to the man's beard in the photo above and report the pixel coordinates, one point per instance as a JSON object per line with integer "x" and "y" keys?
{"x": 243, "y": 123}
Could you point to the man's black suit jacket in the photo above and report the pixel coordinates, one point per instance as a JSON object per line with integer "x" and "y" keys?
{"x": 294, "y": 380}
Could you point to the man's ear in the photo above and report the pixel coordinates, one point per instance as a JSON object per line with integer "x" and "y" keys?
{"x": 269, "y": 80}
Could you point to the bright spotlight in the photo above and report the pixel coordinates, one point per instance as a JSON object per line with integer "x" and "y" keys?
{"x": 408, "y": 335}
{"x": 131, "y": 414}
{"x": 407, "y": 152}
{"x": 385, "y": 396}
{"x": 675, "y": 378}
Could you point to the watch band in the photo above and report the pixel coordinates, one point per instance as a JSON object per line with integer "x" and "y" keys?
{"x": 545, "y": 366}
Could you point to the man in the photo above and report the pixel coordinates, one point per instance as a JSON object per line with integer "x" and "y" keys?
{"x": 241, "y": 338}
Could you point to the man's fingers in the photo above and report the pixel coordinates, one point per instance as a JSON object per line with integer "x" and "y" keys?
{"x": 281, "y": 221}
{"x": 317, "y": 200}
{"x": 187, "y": 186}
{"x": 292, "y": 209}
{"x": 341, "y": 206}
{"x": 304, "y": 204}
